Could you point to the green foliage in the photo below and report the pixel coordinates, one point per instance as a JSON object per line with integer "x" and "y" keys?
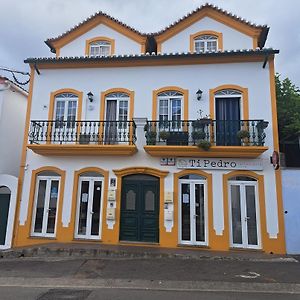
{"x": 288, "y": 108}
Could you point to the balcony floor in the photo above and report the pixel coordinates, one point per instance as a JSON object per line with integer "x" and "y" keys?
{"x": 214, "y": 151}
{"x": 76, "y": 149}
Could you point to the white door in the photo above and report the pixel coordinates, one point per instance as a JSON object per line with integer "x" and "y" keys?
{"x": 45, "y": 206}
{"x": 244, "y": 214}
{"x": 192, "y": 212}
{"x": 89, "y": 208}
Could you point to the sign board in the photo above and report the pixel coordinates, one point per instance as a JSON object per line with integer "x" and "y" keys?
{"x": 219, "y": 164}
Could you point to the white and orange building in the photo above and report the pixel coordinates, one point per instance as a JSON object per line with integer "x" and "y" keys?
{"x": 13, "y": 102}
{"x": 161, "y": 139}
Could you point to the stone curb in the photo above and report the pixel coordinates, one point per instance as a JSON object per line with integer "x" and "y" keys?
{"x": 61, "y": 252}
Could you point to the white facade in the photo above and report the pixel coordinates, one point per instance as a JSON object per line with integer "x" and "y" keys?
{"x": 13, "y": 103}
{"x": 210, "y": 190}
{"x": 232, "y": 39}
{"x": 123, "y": 44}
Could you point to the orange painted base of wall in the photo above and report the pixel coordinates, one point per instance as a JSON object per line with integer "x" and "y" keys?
{"x": 167, "y": 240}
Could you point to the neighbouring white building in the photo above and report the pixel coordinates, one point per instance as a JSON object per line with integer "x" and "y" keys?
{"x": 161, "y": 138}
{"x": 13, "y": 102}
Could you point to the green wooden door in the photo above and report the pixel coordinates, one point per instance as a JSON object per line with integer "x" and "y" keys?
{"x": 4, "y": 208}
{"x": 140, "y": 209}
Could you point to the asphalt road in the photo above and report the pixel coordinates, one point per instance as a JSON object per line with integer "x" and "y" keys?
{"x": 124, "y": 294}
{"x": 133, "y": 278}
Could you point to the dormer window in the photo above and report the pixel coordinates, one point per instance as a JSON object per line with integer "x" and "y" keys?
{"x": 100, "y": 46}
{"x": 206, "y": 43}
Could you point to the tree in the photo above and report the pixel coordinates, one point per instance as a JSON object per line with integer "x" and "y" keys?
{"x": 288, "y": 109}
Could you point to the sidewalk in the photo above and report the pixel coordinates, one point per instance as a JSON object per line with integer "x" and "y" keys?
{"x": 93, "y": 250}
{"x": 69, "y": 268}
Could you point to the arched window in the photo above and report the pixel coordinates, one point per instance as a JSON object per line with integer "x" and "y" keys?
{"x": 206, "y": 43}
{"x": 100, "y": 48}
{"x": 65, "y": 107}
{"x": 170, "y": 106}
{"x": 117, "y": 105}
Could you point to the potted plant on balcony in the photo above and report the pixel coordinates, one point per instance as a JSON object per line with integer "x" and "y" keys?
{"x": 204, "y": 145}
{"x": 244, "y": 136}
{"x": 164, "y": 135}
{"x": 262, "y": 124}
{"x": 198, "y": 135}
{"x": 202, "y": 121}
{"x": 151, "y": 137}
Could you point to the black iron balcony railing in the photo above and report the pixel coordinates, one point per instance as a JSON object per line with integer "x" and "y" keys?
{"x": 216, "y": 132}
{"x": 83, "y": 132}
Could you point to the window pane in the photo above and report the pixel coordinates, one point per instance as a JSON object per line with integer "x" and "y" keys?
{"x": 149, "y": 201}
{"x": 236, "y": 214}
{"x": 96, "y": 208}
{"x": 130, "y": 200}
{"x": 185, "y": 212}
{"x": 60, "y": 110}
{"x": 176, "y": 109}
{"x": 83, "y": 207}
{"x": 39, "y": 216}
{"x": 52, "y": 206}
{"x": 200, "y": 212}
{"x": 251, "y": 215}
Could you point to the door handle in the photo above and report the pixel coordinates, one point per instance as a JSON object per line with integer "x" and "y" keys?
{"x": 247, "y": 218}
{"x": 92, "y": 212}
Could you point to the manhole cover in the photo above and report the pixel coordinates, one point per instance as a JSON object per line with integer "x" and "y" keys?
{"x": 60, "y": 294}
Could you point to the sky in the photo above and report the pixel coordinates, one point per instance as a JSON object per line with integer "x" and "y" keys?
{"x": 25, "y": 25}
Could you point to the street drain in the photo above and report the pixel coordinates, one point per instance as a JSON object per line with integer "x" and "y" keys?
{"x": 65, "y": 294}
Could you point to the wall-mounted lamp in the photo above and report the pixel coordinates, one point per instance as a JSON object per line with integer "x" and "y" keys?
{"x": 90, "y": 96}
{"x": 199, "y": 94}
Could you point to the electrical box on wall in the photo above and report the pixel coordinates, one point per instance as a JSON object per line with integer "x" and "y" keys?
{"x": 110, "y": 213}
{"x": 168, "y": 197}
{"x": 111, "y": 195}
{"x": 168, "y": 215}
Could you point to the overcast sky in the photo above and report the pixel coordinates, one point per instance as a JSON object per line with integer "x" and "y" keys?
{"x": 26, "y": 24}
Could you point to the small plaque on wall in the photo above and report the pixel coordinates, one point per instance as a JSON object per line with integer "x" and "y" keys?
{"x": 167, "y": 161}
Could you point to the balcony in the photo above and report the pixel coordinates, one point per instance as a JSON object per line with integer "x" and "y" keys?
{"x": 206, "y": 138}
{"x": 82, "y": 137}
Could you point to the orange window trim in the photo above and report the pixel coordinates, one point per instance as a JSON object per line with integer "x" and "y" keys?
{"x": 74, "y": 204}
{"x": 261, "y": 203}
{"x": 208, "y": 176}
{"x": 116, "y": 90}
{"x": 34, "y": 176}
{"x": 103, "y": 105}
{"x": 98, "y": 39}
{"x": 66, "y": 90}
{"x": 244, "y": 94}
{"x": 185, "y": 94}
{"x": 218, "y": 35}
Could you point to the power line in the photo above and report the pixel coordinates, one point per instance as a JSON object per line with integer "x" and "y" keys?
{"x": 14, "y": 76}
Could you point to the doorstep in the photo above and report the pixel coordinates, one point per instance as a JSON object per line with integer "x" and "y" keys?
{"x": 90, "y": 250}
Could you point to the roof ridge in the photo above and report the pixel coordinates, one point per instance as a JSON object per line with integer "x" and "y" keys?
{"x": 95, "y": 15}
{"x": 215, "y": 7}
{"x": 206, "y": 5}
